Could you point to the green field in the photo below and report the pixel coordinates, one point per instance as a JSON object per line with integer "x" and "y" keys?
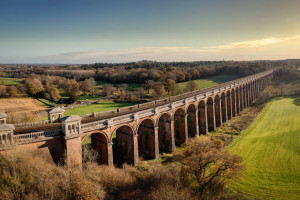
{"x": 89, "y": 97}
{"x": 10, "y": 81}
{"x": 97, "y": 107}
{"x": 270, "y": 148}
{"x": 205, "y": 83}
{"x": 131, "y": 86}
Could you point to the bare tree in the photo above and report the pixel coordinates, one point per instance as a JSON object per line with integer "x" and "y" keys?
{"x": 210, "y": 165}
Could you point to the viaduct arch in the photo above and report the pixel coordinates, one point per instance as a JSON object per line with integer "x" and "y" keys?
{"x": 142, "y": 131}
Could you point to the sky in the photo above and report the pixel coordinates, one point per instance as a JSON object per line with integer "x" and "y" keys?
{"x": 90, "y": 31}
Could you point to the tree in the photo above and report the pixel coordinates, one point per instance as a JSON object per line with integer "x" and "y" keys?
{"x": 3, "y": 91}
{"x": 159, "y": 91}
{"x": 191, "y": 86}
{"x": 11, "y": 91}
{"x": 52, "y": 92}
{"x": 87, "y": 85}
{"x": 149, "y": 85}
{"x": 33, "y": 86}
{"x": 209, "y": 164}
{"x": 108, "y": 90}
{"x": 170, "y": 86}
{"x": 72, "y": 90}
{"x": 122, "y": 91}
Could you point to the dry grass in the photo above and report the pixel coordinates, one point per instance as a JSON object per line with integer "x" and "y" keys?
{"x": 236, "y": 125}
{"x": 27, "y": 177}
{"x": 22, "y": 109}
{"x": 19, "y": 105}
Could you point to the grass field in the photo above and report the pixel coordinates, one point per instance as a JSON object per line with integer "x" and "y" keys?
{"x": 131, "y": 86}
{"x": 270, "y": 148}
{"x": 204, "y": 83}
{"x": 10, "y": 81}
{"x": 89, "y": 97}
{"x": 98, "y": 107}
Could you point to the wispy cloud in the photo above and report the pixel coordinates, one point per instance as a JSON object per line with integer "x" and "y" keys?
{"x": 157, "y": 53}
{"x": 255, "y": 43}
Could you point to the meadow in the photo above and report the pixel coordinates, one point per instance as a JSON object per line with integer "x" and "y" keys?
{"x": 10, "y": 81}
{"x": 131, "y": 86}
{"x": 270, "y": 148}
{"x": 208, "y": 82}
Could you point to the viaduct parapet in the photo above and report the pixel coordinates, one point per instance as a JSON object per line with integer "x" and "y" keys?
{"x": 140, "y": 131}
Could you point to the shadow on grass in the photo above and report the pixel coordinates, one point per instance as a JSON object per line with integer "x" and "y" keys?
{"x": 297, "y": 101}
{"x": 223, "y": 78}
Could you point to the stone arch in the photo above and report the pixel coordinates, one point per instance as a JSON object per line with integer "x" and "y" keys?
{"x": 161, "y": 114}
{"x": 179, "y": 126}
{"x": 164, "y": 124}
{"x": 192, "y": 120}
{"x": 229, "y": 106}
{"x": 218, "y": 110}
{"x": 99, "y": 143}
{"x": 210, "y": 114}
{"x": 202, "y": 116}
{"x": 123, "y": 145}
{"x": 233, "y": 103}
{"x": 146, "y": 138}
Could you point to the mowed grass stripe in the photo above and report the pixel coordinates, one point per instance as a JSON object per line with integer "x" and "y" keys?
{"x": 270, "y": 148}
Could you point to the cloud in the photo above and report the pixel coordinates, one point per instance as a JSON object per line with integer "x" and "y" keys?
{"x": 256, "y": 43}
{"x": 248, "y": 44}
{"x": 162, "y": 53}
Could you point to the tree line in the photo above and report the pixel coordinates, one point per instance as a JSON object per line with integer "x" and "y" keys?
{"x": 54, "y": 81}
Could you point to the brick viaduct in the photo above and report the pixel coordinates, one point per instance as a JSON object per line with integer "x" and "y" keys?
{"x": 144, "y": 130}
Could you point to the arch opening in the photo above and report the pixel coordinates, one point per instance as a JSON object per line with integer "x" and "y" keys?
{"x": 237, "y": 99}
{"x": 210, "y": 114}
{"x": 233, "y": 104}
{"x": 95, "y": 148}
{"x": 218, "y": 110}
{"x": 179, "y": 127}
{"x": 164, "y": 133}
{"x": 146, "y": 139}
{"x": 248, "y": 95}
{"x": 123, "y": 146}
{"x": 192, "y": 122}
{"x": 223, "y": 107}
{"x": 229, "y": 111}
{"x": 241, "y": 99}
{"x": 202, "y": 117}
